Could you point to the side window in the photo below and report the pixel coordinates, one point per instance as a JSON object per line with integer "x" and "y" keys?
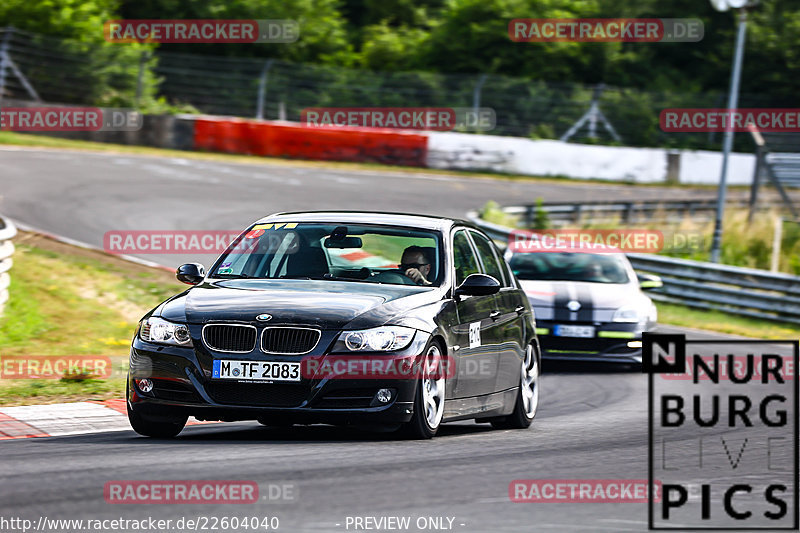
{"x": 488, "y": 257}
{"x": 463, "y": 257}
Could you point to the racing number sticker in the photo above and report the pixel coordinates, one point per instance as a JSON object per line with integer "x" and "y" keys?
{"x": 475, "y": 335}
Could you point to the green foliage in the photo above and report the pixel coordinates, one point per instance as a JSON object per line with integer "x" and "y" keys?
{"x": 491, "y": 212}
{"x": 541, "y": 220}
{"x": 463, "y": 38}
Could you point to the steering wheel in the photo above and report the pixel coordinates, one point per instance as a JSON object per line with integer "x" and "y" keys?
{"x": 393, "y": 276}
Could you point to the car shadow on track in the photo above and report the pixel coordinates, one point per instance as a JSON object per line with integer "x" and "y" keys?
{"x": 318, "y": 433}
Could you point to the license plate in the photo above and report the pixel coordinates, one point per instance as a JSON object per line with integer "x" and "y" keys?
{"x": 255, "y": 370}
{"x": 574, "y": 331}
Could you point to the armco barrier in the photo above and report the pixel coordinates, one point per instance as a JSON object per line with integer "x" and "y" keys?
{"x": 302, "y": 142}
{"x": 625, "y": 211}
{"x": 7, "y": 232}
{"x": 740, "y": 291}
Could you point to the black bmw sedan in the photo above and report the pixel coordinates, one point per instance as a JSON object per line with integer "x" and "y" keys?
{"x": 376, "y": 319}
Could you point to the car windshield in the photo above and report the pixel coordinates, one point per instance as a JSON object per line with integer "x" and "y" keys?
{"x": 343, "y": 252}
{"x": 594, "y": 268}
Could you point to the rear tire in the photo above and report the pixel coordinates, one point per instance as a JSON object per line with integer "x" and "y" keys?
{"x": 527, "y": 397}
{"x": 429, "y": 399}
{"x": 162, "y": 428}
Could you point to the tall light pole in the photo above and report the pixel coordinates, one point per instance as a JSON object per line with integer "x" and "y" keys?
{"x": 733, "y": 99}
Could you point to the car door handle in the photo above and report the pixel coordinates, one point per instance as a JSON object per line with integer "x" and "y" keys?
{"x": 519, "y": 309}
{"x": 494, "y": 315}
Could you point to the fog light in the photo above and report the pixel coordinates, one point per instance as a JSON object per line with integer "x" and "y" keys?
{"x": 384, "y": 395}
{"x": 144, "y": 385}
{"x": 635, "y": 344}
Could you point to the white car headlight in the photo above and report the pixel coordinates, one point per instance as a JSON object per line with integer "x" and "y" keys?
{"x": 626, "y": 313}
{"x": 381, "y": 339}
{"x": 158, "y": 330}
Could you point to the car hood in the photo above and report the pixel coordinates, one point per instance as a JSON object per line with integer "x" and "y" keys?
{"x": 598, "y": 301}
{"x": 324, "y": 304}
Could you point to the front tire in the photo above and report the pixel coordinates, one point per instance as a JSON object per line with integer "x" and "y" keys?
{"x": 430, "y": 397}
{"x": 527, "y": 398}
{"x": 165, "y": 428}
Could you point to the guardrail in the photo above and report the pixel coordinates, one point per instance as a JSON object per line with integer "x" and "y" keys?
{"x": 740, "y": 291}
{"x": 7, "y": 232}
{"x": 625, "y": 212}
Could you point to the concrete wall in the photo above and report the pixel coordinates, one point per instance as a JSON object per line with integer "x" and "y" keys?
{"x": 555, "y": 158}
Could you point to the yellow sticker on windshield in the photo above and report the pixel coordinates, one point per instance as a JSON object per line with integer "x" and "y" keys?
{"x": 276, "y": 226}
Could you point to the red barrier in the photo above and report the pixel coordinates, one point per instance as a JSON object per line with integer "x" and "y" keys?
{"x": 324, "y": 143}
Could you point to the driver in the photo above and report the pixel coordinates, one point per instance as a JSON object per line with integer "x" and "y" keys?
{"x": 594, "y": 272}
{"x": 415, "y": 265}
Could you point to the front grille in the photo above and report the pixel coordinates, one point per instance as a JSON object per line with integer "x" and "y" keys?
{"x": 258, "y": 394}
{"x": 238, "y": 338}
{"x": 289, "y": 340}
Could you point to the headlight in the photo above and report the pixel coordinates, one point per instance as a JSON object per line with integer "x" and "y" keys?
{"x": 626, "y": 313}
{"x": 382, "y": 339}
{"x": 156, "y": 329}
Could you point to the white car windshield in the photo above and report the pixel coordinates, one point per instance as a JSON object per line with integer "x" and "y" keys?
{"x": 594, "y": 268}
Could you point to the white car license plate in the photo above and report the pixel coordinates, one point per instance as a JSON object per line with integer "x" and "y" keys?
{"x": 255, "y": 370}
{"x": 574, "y": 331}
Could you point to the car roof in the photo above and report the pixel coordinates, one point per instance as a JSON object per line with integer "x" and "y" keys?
{"x": 429, "y": 222}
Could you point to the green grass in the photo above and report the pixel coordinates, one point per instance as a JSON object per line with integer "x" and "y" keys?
{"x": 391, "y": 247}
{"x": 678, "y": 315}
{"x": 69, "y": 301}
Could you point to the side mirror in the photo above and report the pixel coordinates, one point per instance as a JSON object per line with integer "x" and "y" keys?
{"x": 191, "y": 273}
{"x": 649, "y": 281}
{"x": 478, "y": 285}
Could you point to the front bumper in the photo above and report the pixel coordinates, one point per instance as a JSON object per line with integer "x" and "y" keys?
{"x": 183, "y": 386}
{"x": 614, "y": 343}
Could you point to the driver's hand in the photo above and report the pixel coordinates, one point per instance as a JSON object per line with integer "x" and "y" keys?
{"x": 417, "y": 276}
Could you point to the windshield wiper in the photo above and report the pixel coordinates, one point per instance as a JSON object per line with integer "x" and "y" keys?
{"x": 234, "y": 276}
{"x": 339, "y": 278}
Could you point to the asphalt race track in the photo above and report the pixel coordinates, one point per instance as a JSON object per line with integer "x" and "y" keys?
{"x": 592, "y": 420}
{"x": 83, "y": 197}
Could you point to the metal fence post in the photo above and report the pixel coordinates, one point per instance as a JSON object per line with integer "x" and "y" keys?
{"x": 4, "y": 46}
{"x": 627, "y": 214}
{"x": 140, "y": 77}
{"x": 753, "y": 203}
{"x": 7, "y": 232}
{"x": 262, "y": 89}
{"x": 476, "y": 94}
